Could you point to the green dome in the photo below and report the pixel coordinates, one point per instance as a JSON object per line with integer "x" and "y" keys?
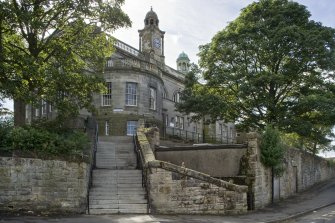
{"x": 183, "y": 56}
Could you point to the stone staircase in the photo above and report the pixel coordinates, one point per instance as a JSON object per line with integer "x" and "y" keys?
{"x": 117, "y": 184}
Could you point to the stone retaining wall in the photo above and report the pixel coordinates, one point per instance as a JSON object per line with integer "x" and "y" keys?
{"x": 175, "y": 189}
{"x": 224, "y": 159}
{"x": 174, "y": 193}
{"x": 42, "y": 186}
{"x": 302, "y": 170}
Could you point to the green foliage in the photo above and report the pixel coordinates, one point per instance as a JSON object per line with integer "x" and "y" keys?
{"x": 272, "y": 65}
{"x": 44, "y": 143}
{"x": 272, "y": 150}
{"x": 6, "y": 125}
{"x": 55, "y": 51}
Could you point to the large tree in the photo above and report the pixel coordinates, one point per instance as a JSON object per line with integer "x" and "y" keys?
{"x": 271, "y": 65}
{"x": 55, "y": 51}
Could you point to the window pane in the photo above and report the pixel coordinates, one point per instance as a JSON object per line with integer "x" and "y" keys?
{"x": 107, "y": 97}
{"x": 131, "y": 128}
{"x": 152, "y": 99}
{"x": 131, "y": 94}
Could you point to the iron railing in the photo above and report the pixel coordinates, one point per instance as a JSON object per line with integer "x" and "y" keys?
{"x": 140, "y": 165}
{"x": 92, "y": 127}
{"x": 196, "y": 137}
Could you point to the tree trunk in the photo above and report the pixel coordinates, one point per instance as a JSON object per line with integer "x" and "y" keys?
{"x": 19, "y": 112}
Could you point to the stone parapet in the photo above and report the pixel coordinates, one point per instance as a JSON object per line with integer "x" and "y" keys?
{"x": 174, "y": 189}
{"x": 43, "y": 186}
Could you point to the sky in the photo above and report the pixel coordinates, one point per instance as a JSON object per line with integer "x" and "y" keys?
{"x": 190, "y": 23}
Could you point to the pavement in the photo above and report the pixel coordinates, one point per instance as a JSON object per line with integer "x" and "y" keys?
{"x": 317, "y": 197}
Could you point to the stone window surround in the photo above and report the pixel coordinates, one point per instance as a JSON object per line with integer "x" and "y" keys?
{"x": 131, "y": 94}
{"x": 152, "y": 98}
{"x": 106, "y": 99}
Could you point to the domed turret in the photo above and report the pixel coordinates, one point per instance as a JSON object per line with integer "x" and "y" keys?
{"x": 151, "y": 19}
{"x": 183, "y": 63}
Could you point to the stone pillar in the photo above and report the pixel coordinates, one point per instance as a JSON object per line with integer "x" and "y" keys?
{"x": 261, "y": 183}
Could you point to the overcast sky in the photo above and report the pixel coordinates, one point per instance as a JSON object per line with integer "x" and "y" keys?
{"x": 190, "y": 23}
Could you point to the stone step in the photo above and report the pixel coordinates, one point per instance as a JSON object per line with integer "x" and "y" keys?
{"x": 106, "y": 173}
{"x": 111, "y": 167}
{"x": 111, "y": 190}
{"x": 123, "y": 159}
{"x": 117, "y": 185}
{"x": 99, "y": 199}
{"x": 119, "y": 200}
{"x": 130, "y": 206}
{"x": 115, "y": 181}
{"x": 118, "y": 211}
{"x": 116, "y": 139}
{"x": 113, "y": 193}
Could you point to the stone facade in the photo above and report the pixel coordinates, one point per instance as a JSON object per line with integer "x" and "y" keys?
{"x": 43, "y": 186}
{"x": 155, "y": 83}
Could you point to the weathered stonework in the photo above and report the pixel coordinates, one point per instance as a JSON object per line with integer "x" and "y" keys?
{"x": 301, "y": 171}
{"x": 174, "y": 193}
{"x": 175, "y": 189}
{"x": 47, "y": 186}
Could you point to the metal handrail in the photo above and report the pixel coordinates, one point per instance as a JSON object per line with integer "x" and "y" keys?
{"x": 197, "y": 137}
{"x": 93, "y": 164}
{"x": 139, "y": 165}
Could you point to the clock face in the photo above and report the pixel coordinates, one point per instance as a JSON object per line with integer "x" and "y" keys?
{"x": 157, "y": 43}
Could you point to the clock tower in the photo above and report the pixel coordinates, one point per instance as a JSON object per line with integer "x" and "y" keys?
{"x": 151, "y": 41}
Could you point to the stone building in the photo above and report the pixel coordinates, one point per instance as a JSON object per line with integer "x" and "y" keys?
{"x": 140, "y": 85}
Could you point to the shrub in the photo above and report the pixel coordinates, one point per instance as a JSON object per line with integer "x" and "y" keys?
{"x": 43, "y": 143}
{"x": 272, "y": 150}
{"x": 6, "y": 125}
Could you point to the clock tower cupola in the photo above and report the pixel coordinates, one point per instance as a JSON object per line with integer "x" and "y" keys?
{"x": 151, "y": 38}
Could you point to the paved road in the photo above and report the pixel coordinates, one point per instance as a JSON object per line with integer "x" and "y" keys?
{"x": 324, "y": 215}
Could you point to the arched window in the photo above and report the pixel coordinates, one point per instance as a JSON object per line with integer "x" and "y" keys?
{"x": 184, "y": 66}
{"x": 151, "y": 21}
{"x": 146, "y": 22}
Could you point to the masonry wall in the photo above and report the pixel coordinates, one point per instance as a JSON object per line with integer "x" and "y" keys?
{"x": 174, "y": 193}
{"x": 224, "y": 162}
{"x": 42, "y": 185}
{"x": 174, "y": 189}
{"x": 301, "y": 171}
{"x": 310, "y": 170}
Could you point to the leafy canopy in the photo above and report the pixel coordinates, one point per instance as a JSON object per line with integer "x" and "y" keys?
{"x": 56, "y": 50}
{"x": 271, "y": 65}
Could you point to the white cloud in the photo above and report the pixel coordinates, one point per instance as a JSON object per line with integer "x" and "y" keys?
{"x": 190, "y": 23}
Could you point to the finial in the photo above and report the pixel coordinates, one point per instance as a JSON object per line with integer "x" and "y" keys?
{"x": 151, "y": 8}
